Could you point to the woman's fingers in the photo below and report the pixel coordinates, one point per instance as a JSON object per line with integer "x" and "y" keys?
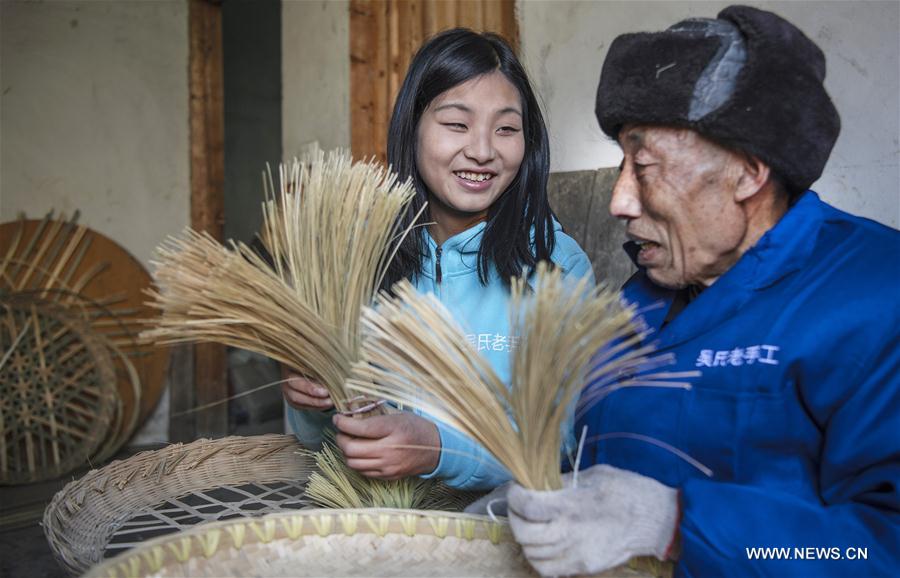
{"x": 375, "y": 427}
{"x": 303, "y": 393}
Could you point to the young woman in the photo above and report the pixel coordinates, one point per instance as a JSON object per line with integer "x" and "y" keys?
{"x": 467, "y": 128}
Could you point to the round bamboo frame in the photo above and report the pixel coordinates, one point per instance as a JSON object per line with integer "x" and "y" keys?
{"x": 323, "y": 542}
{"x": 355, "y": 542}
{"x": 57, "y": 390}
{"x": 84, "y": 516}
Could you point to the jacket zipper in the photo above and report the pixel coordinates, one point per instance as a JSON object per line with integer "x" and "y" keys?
{"x": 437, "y": 266}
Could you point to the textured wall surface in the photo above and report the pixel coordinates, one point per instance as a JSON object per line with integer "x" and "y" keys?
{"x": 564, "y": 43}
{"x": 315, "y": 74}
{"x": 94, "y": 116}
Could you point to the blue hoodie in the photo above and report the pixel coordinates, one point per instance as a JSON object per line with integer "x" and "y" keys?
{"x": 797, "y": 411}
{"x": 451, "y": 273}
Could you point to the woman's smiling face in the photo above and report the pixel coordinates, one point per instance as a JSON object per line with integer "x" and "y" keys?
{"x": 470, "y": 147}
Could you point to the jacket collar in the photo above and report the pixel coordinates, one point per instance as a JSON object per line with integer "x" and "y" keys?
{"x": 784, "y": 249}
{"x": 459, "y": 253}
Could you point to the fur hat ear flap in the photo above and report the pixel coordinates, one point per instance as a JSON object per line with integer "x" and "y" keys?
{"x": 748, "y": 79}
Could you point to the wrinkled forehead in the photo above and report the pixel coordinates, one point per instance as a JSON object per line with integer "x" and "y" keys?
{"x": 634, "y": 137}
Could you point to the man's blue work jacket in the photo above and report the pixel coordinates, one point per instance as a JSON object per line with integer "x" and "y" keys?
{"x": 797, "y": 411}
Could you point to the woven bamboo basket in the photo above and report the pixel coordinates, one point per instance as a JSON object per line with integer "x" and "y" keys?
{"x": 57, "y": 389}
{"x": 152, "y": 493}
{"x": 322, "y": 542}
{"x": 181, "y": 493}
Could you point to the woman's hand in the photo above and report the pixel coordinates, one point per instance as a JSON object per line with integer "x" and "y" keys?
{"x": 302, "y": 393}
{"x": 370, "y": 445}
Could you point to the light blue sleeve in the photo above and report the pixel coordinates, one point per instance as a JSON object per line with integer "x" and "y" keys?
{"x": 573, "y": 261}
{"x": 465, "y": 464}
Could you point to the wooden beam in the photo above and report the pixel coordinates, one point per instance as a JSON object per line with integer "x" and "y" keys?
{"x": 384, "y": 35}
{"x": 207, "y": 147}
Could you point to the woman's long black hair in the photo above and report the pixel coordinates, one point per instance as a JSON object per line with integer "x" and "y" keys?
{"x": 447, "y": 60}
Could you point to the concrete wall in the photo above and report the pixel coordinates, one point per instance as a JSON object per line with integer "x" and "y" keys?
{"x": 94, "y": 116}
{"x": 315, "y": 74}
{"x": 564, "y": 44}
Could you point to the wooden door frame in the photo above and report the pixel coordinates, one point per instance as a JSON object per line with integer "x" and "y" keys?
{"x": 199, "y": 373}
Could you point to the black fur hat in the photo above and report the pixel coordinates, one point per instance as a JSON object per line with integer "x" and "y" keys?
{"x": 749, "y": 80}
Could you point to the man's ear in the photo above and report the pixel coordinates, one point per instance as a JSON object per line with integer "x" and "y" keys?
{"x": 755, "y": 174}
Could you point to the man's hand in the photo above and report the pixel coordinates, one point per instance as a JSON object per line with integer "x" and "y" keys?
{"x": 302, "y": 393}
{"x": 612, "y": 516}
{"x": 370, "y": 445}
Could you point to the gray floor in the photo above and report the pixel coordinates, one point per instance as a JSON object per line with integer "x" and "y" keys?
{"x": 24, "y": 551}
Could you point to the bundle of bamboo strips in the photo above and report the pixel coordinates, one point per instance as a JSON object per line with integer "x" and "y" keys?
{"x": 329, "y": 233}
{"x": 415, "y": 354}
{"x": 335, "y": 485}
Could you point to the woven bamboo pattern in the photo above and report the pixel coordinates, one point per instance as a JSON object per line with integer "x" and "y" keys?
{"x": 359, "y": 542}
{"x": 57, "y": 390}
{"x": 356, "y": 542}
{"x": 177, "y": 486}
{"x": 58, "y": 261}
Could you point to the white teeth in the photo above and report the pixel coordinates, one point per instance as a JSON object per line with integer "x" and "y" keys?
{"x": 475, "y": 177}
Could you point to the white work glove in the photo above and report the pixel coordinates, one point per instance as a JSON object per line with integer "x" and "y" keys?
{"x": 496, "y": 498}
{"x": 612, "y": 516}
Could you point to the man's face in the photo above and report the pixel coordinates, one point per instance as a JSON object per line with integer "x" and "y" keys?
{"x": 676, "y": 191}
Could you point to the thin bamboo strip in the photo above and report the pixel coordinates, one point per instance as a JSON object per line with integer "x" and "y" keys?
{"x": 75, "y": 261}
{"x": 48, "y": 397}
{"x": 66, "y": 255}
{"x": 54, "y": 252}
{"x": 55, "y": 226}
{"x": 11, "y": 250}
{"x": 26, "y": 253}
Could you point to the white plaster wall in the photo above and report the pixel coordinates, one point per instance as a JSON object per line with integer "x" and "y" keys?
{"x": 94, "y": 116}
{"x": 564, "y": 43}
{"x": 315, "y": 38}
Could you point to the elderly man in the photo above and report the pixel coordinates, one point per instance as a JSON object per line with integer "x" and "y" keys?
{"x": 784, "y": 456}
